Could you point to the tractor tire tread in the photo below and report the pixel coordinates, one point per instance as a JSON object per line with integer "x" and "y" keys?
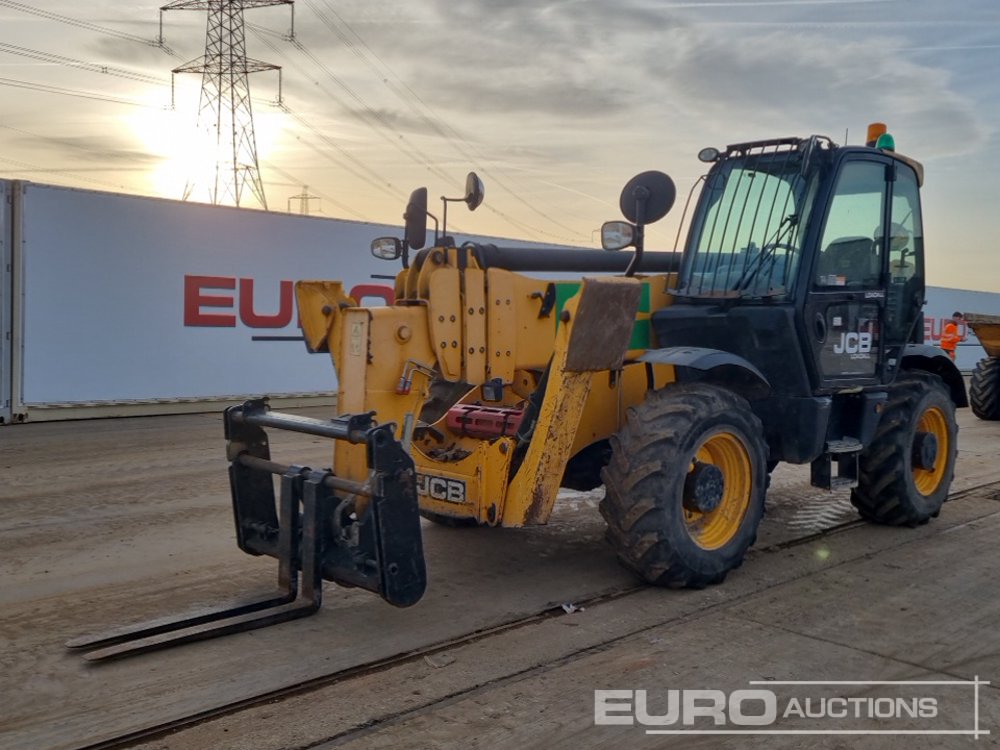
{"x": 984, "y": 389}
{"x": 886, "y": 493}
{"x": 646, "y": 470}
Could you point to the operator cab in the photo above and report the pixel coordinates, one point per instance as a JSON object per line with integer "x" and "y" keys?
{"x": 789, "y": 270}
{"x": 789, "y": 236}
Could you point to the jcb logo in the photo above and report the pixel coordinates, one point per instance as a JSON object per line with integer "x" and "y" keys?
{"x": 854, "y": 343}
{"x": 441, "y": 488}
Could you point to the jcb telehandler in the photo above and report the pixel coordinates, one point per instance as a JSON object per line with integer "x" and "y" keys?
{"x": 787, "y": 330}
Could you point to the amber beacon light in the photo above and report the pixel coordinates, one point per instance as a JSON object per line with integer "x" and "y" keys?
{"x": 875, "y": 131}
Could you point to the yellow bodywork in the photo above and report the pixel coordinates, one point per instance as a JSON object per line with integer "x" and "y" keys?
{"x": 987, "y": 330}
{"x": 453, "y": 322}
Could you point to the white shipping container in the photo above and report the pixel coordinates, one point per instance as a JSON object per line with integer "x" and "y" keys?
{"x": 145, "y": 305}
{"x": 942, "y": 302}
{"x": 131, "y": 300}
{"x": 6, "y": 303}
{"x": 114, "y": 304}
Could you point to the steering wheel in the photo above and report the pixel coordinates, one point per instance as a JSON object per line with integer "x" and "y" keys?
{"x": 764, "y": 257}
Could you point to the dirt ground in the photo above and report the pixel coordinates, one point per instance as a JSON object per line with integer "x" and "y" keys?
{"x": 104, "y": 522}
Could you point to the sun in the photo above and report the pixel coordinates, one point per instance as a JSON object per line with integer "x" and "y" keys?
{"x": 168, "y": 135}
{"x": 186, "y": 155}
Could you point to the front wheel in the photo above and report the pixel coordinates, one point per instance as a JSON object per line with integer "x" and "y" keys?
{"x": 685, "y": 485}
{"x": 905, "y": 473}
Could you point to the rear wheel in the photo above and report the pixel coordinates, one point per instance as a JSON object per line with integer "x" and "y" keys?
{"x": 984, "y": 390}
{"x": 906, "y": 472}
{"x": 685, "y": 485}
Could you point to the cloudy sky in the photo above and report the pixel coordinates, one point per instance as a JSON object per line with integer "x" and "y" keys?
{"x": 555, "y": 103}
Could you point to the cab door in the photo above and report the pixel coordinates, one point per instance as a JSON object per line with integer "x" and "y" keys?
{"x": 845, "y": 307}
{"x": 905, "y": 286}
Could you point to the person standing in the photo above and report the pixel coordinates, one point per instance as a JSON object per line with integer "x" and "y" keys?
{"x": 949, "y": 335}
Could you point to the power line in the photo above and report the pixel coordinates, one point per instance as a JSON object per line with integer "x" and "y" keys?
{"x": 78, "y": 93}
{"x": 382, "y": 126}
{"x": 358, "y": 168}
{"x": 378, "y": 126}
{"x": 430, "y": 118}
{"x": 95, "y": 68}
{"x": 376, "y": 119}
{"x": 28, "y": 167}
{"x": 371, "y": 116}
{"x": 83, "y": 24}
{"x": 50, "y": 57}
{"x": 320, "y": 194}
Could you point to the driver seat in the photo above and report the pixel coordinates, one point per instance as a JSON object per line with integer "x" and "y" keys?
{"x": 848, "y": 261}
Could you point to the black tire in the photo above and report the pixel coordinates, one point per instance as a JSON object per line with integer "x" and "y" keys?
{"x": 984, "y": 390}
{"x": 651, "y": 461}
{"x": 892, "y": 489}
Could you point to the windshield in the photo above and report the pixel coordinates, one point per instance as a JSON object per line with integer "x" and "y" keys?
{"x": 747, "y": 230}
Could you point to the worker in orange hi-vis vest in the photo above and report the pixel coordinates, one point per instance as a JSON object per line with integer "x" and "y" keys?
{"x": 949, "y": 335}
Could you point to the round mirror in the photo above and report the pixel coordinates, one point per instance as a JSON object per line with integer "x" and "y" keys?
{"x": 416, "y": 219}
{"x": 474, "y": 191}
{"x": 647, "y": 197}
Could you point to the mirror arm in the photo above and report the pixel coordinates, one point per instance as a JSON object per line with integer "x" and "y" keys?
{"x": 444, "y": 218}
{"x": 641, "y": 194}
{"x": 436, "y": 225}
{"x": 640, "y": 235}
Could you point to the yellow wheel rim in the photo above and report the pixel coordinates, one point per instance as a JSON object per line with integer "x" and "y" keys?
{"x": 716, "y": 528}
{"x": 934, "y": 422}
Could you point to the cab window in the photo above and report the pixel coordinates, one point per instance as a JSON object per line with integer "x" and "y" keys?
{"x": 906, "y": 256}
{"x": 850, "y": 257}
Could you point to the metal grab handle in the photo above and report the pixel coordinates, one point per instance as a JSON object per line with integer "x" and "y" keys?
{"x": 351, "y": 427}
{"x": 820, "y": 327}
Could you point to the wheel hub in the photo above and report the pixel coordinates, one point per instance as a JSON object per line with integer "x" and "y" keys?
{"x": 704, "y": 488}
{"x": 925, "y": 450}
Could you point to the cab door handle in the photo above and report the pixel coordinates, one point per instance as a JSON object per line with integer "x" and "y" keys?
{"x": 819, "y": 325}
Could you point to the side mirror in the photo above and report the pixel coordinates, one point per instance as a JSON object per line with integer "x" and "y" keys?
{"x": 617, "y": 235}
{"x": 647, "y": 197}
{"x": 387, "y": 248}
{"x": 416, "y": 219}
{"x": 475, "y": 191}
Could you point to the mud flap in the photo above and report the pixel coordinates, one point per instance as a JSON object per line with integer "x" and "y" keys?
{"x": 593, "y": 336}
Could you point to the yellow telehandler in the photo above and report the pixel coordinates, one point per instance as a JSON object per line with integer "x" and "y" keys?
{"x": 786, "y": 330}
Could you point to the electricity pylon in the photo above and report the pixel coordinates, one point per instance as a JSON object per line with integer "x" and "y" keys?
{"x": 224, "y": 112}
{"x": 303, "y": 198}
